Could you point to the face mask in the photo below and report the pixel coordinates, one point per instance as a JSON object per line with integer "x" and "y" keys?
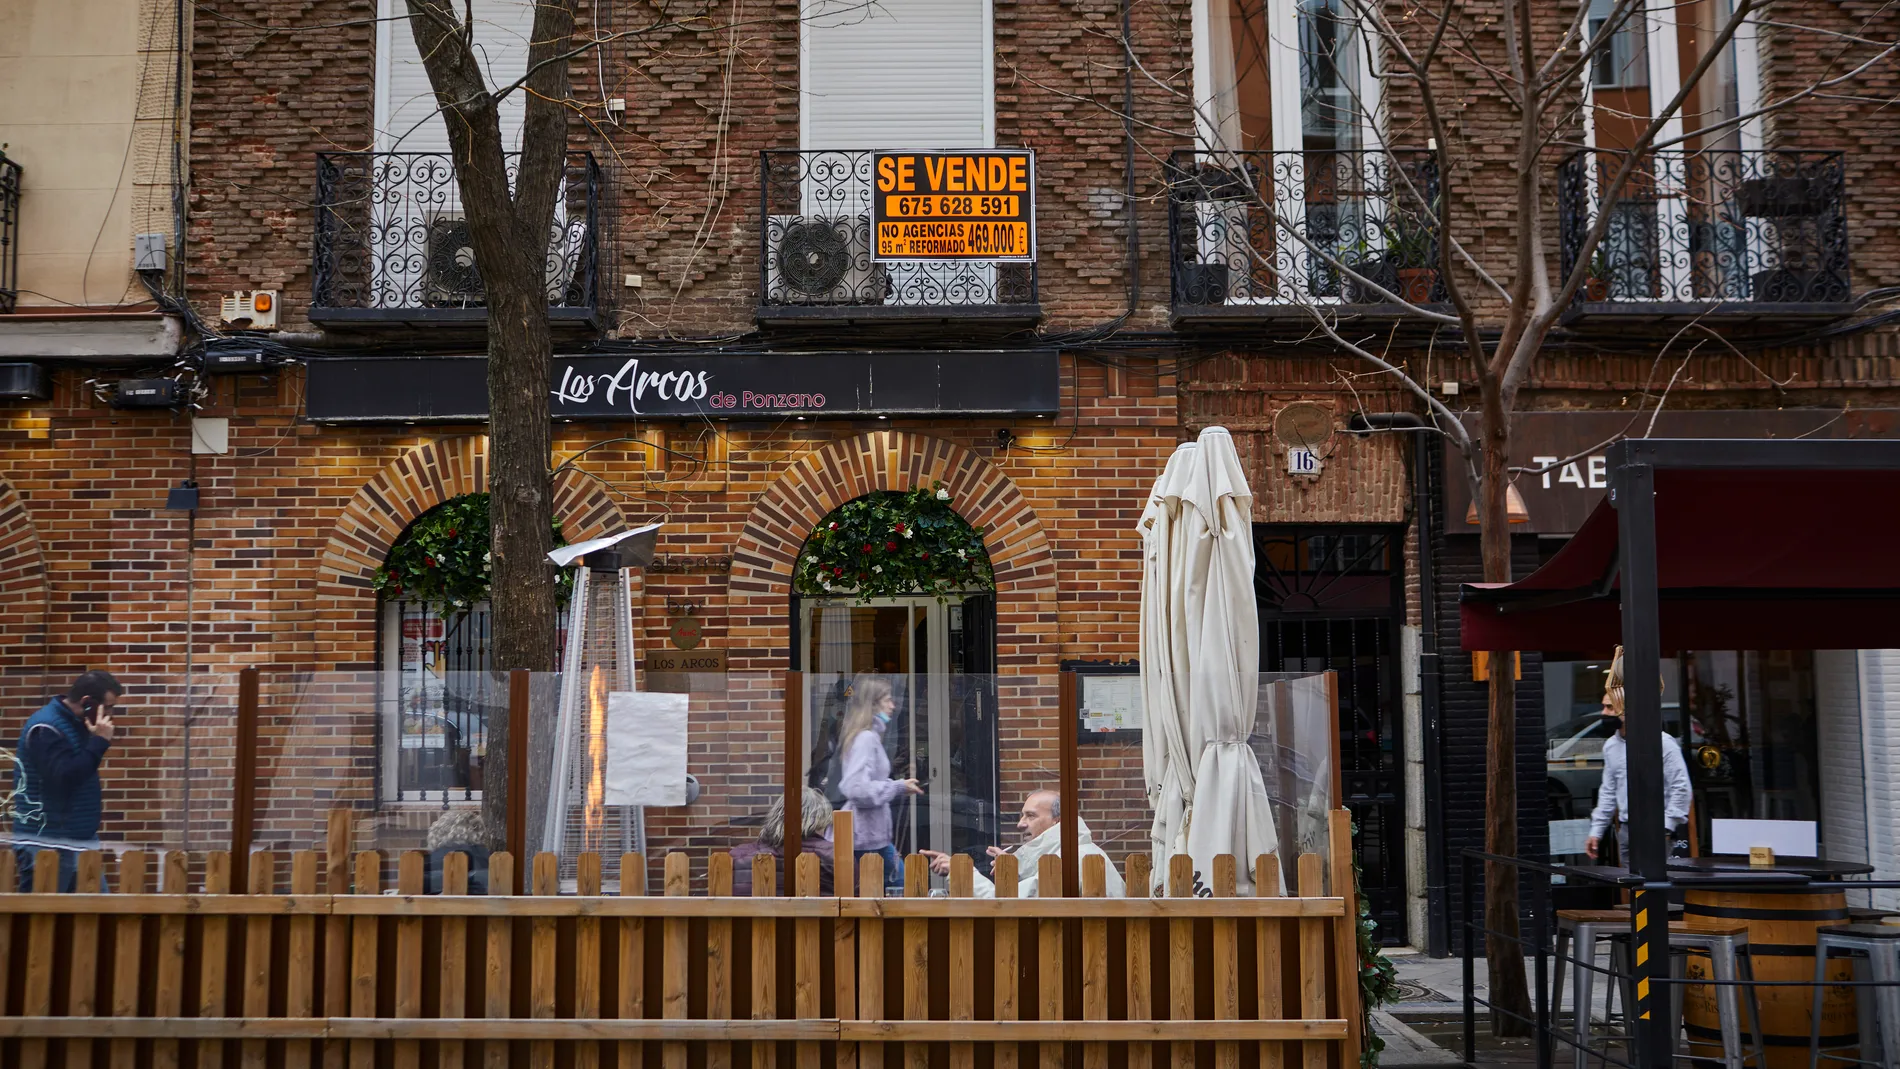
{"x": 883, "y": 719}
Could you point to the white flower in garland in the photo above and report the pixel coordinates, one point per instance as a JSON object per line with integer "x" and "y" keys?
{"x": 942, "y": 494}
{"x": 963, "y": 554}
{"x": 909, "y": 531}
{"x": 878, "y": 568}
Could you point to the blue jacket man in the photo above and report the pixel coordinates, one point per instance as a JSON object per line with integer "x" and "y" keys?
{"x": 57, "y": 779}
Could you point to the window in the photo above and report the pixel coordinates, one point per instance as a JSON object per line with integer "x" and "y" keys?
{"x": 898, "y": 74}
{"x": 1623, "y": 61}
{"x": 1299, "y": 68}
{"x": 437, "y": 697}
{"x": 406, "y": 119}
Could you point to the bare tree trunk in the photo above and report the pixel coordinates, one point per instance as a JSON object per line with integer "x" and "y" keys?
{"x": 509, "y": 225}
{"x": 1510, "y": 992}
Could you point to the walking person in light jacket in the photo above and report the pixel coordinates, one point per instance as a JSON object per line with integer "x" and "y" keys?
{"x": 1613, "y": 796}
{"x": 866, "y": 782}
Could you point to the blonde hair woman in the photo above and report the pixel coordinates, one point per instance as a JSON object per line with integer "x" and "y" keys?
{"x": 866, "y": 782}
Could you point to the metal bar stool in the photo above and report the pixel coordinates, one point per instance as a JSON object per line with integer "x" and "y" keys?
{"x": 1879, "y": 1006}
{"x": 1729, "y": 962}
{"x": 1584, "y": 928}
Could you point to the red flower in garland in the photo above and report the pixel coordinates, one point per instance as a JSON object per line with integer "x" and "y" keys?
{"x": 867, "y": 547}
{"x": 926, "y": 554}
{"x": 890, "y": 547}
{"x": 839, "y": 570}
{"x": 428, "y": 560}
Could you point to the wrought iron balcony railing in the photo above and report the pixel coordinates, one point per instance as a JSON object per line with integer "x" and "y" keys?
{"x": 1752, "y": 228}
{"x": 9, "y": 233}
{"x": 392, "y": 242}
{"x": 815, "y": 253}
{"x": 1256, "y": 231}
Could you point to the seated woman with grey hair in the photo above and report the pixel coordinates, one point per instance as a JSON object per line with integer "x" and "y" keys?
{"x": 815, "y": 811}
{"x": 459, "y": 831}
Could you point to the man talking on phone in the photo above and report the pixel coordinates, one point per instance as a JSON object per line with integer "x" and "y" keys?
{"x": 58, "y": 775}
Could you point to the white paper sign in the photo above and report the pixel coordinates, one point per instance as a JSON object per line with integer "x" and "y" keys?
{"x": 1787, "y": 838}
{"x": 1567, "y": 836}
{"x": 646, "y": 748}
{"x": 1111, "y": 703}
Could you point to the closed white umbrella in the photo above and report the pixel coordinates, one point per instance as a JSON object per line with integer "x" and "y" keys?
{"x": 1167, "y": 763}
{"x": 1210, "y": 797}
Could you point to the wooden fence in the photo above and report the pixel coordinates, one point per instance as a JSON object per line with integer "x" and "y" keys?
{"x": 313, "y": 964}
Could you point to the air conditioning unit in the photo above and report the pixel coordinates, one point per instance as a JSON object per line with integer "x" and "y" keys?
{"x": 24, "y": 382}
{"x": 820, "y": 260}
{"x": 449, "y": 276}
{"x": 256, "y": 310}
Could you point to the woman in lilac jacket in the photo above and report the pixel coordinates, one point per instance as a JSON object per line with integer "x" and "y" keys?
{"x": 866, "y": 781}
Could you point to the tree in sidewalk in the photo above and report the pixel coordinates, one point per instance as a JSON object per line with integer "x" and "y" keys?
{"x": 1494, "y": 304}
{"x": 509, "y": 222}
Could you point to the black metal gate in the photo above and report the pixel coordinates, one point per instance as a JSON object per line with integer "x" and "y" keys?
{"x": 1333, "y": 598}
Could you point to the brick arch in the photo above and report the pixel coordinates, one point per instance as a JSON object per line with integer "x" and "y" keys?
{"x": 23, "y": 586}
{"x": 408, "y": 486}
{"x": 783, "y": 517}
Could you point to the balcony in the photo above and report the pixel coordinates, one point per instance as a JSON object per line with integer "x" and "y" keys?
{"x": 393, "y": 247}
{"x": 9, "y": 234}
{"x": 815, "y": 266}
{"x": 1749, "y": 235}
{"x": 1259, "y": 236}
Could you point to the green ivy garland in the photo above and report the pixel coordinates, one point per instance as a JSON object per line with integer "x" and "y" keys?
{"x": 892, "y": 543}
{"x": 443, "y": 558}
{"x": 1378, "y": 977}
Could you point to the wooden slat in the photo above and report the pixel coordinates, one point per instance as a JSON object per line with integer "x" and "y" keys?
{"x": 390, "y": 1028}
{"x": 261, "y": 873}
{"x": 1346, "y": 930}
{"x": 807, "y": 968}
{"x": 870, "y": 958}
{"x": 764, "y": 958}
{"x": 1140, "y": 965}
{"x": 541, "y": 958}
{"x": 338, "y": 843}
{"x": 633, "y": 959}
{"x": 673, "y": 962}
{"x": 1050, "y": 957}
{"x": 1157, "y": 909}
{"x": 168, "y": 996}
{"x": 498, "y": 977}
{"x": 1312, "y": 963}
{"x": 587, "y": 977}
{"x": 1008, "y": 947}
{"x": 1267, "y": 959}
{"x": 300, "y": 985}
{"x": 369, "y": 879}
{"x": 1095, "y": 960}
{"x": 409, "y": 881}
{"x": 9, "y": 883}
{"x": 214, "y": 951}
{"x": 844, "y": 942}
{"x": 719, "y": 958}
{"x": 916, "y": 958}
{"x": 452, "y": 984}
{"x": 128, "y": 952}
{"x": 1226, "y": 962}
{"x": 962, "y": 960}
{"x": 82, "y": 998}
{"x": 1181, "y": 958}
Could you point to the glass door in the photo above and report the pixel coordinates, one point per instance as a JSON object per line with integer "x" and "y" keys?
{"x": 943, "y": 729}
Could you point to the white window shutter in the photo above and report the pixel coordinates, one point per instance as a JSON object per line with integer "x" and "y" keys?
{"x": 898, "y": 74}
{"x": 405, "y": 104}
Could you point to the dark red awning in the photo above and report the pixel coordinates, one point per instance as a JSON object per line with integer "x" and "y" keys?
{"x": 1776, "y": 559}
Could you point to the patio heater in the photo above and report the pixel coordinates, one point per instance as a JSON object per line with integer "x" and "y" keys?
{"x": 598, "y": 659}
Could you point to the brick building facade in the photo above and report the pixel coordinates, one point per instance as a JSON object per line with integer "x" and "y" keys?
{"x": 1154, "y": 331}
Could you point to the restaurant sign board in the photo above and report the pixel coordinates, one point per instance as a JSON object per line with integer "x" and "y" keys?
{"x": 933, "y": 206}
{"x": 1567, "y": 452}
{"x": 738, "y": 386}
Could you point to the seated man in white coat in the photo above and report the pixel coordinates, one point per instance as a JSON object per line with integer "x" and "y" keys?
{"x": 1041, "y": 829}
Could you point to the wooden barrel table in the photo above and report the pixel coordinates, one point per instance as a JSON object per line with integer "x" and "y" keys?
{"x": 1783, "y": 927}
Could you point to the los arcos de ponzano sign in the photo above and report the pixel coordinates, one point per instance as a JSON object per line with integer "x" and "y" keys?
{"x": 669, "y": 385}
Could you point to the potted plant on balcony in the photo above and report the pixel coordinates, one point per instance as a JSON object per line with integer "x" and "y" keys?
{"x": 1596, "y": 284}
{"x": 1410, "y": 248}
